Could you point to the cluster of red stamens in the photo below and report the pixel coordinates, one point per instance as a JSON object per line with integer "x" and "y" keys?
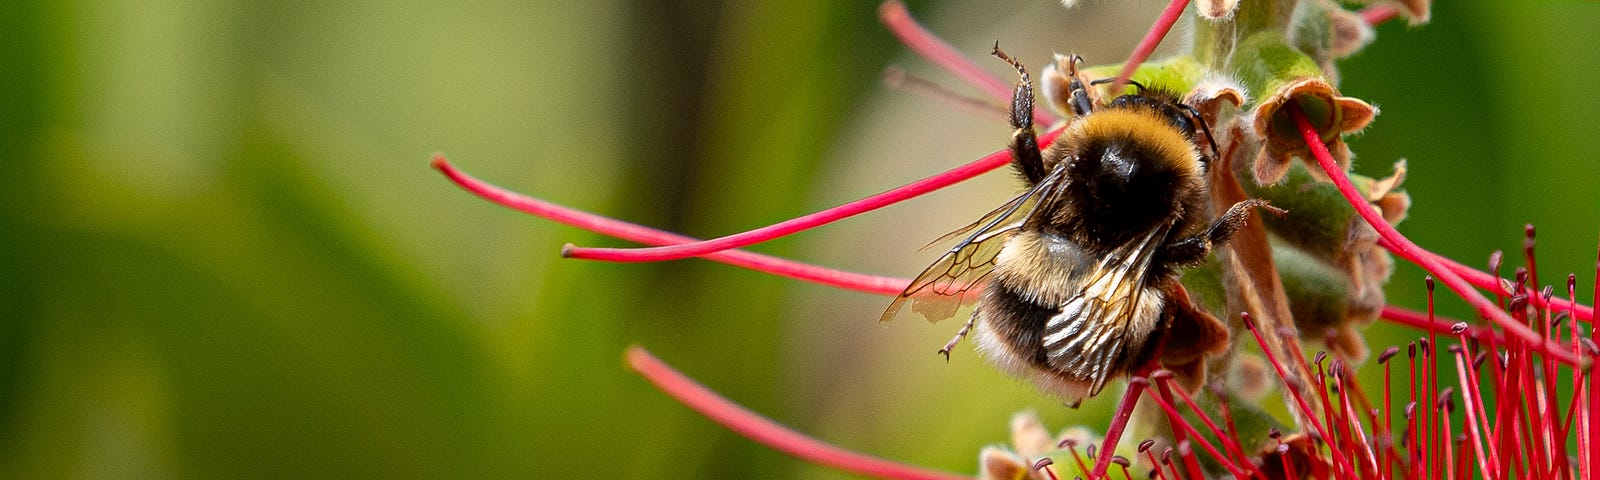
{"x": 1530, "y": 360}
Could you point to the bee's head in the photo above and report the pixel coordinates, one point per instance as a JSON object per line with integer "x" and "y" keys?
{"x": 1165, "y": 105}
{"x": 1131, "y": 166}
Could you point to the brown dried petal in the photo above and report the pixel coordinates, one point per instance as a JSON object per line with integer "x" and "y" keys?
{"x": 1029, "y": 436}
{"x": 1391, "y": 203}
{"x": 998, "y": 464}
{"x": 1213, "y": 96}
{"x": 1203, "y": 336}
{"x": 1354, "y": 114}
{"x": 1350, "y": 32}
{"x": 1302, "y": 453}
{"x": 1338, "y": 115}
{"x": 1394, "y": 206}
{"x": 1269, "y": 167}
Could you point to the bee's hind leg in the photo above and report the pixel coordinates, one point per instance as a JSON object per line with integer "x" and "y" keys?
{"x": 1024, "y": 142}
{"x": 1193, "y": 250}
{"x": 959, "y": 335}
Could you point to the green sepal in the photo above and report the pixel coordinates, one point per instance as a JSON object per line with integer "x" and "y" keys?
{"x": 1317, "y": 292}
{"x": 1178, "y": 74}
{"x": 1319, "y": 218}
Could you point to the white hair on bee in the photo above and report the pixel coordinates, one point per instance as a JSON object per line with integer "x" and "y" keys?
{"x": 994, "y": 349}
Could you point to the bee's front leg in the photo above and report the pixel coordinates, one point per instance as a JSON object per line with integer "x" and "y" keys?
{"x": 1024, "y": 142}
{"x": 1193, "y": 250}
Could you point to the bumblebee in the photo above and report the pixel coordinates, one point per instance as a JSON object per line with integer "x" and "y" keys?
{"x": 1076, "y": 279}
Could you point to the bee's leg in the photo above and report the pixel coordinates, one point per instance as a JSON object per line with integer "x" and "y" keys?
{"x": 1193, "y": 250}
{"x": 1024, "y": 144}
{"x": 1080, "y": 96}
{"x": 959, "y": 335}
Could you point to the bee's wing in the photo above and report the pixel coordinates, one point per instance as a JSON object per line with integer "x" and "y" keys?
{"x": 1091, "y": 336}
{"x": 952, "y": 280}
{"x": 1010, "y": 209}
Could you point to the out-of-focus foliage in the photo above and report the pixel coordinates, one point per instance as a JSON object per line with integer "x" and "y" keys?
{"x": 223, "y": 254}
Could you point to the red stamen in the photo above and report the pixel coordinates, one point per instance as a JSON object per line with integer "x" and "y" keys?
{"x": 1122, "y": 463}
{"x": 1580, "y": 389}
{"x": 947, "y": 178}
{"x": 1361, "y": 399}
{"x": 1413, "y": 430}
{"x": 1221, "y": 397}
{"x": 1461, "y": 455}
{"x": 1474, "y": 412}
{"x": 1447, "y": 406}
{"x": 1184, "y": 448}
{"x": 1491, "y": 282}
{"x": 1155, "y": 465}
{"x": 1388, "y": 416}
{"x": 1189, "y": 430}
{"x": 1072, "y": 450}
{"x": 1510, "y": 427}
{"x": 1300, "y": 402}
{"x": 1119, "y": 422}
{"x": 1377, "y": 14}
{"x": 1408, "y": 250}
{"x": 1336, "y": 441}
{"x": 1592, "y": 406}
{"x": 894, "y": 15}
{"x": 1353, "y": 421}
{"x": 1290, "y": 341}
{"x": 1428, "y": 323}
{"x": 1550, "y": 448}
{"x": 1044, "y": 465}
{"x": 1430, "y": 353}
{"x": 1166, "y": 459}
{"x": 1288, "y": 466}
{"x": 1152, "y": 38}
{"x": 1228, "y": 442}
{"x": 765, "y": 431}
{"x": 1527, "y": 252}
{"x": 632, "y": 232}
{"x": 1410, "y": 438}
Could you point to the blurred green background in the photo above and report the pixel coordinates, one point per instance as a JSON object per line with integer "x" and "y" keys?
{"x": 224, "y": 254}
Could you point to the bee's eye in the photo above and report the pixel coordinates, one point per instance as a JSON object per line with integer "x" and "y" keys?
{"x": 1182, "y": 123}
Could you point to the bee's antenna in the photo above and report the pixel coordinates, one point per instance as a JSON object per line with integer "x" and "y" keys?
{"x": 1130, "y": 81}
{"x": 1203, "y": 128}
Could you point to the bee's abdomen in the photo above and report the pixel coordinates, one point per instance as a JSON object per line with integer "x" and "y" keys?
{"x": 1011, "y": 328}
{"x": 1018, "y": 321}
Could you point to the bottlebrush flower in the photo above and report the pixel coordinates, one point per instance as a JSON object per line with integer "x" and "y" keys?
{"x": 1294, "y": 289}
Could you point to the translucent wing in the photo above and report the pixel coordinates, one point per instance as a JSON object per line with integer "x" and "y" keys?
{"x": 1000, "y": 212}
{"x": 1093, "y": 334}
{"x": 952, "y": 280}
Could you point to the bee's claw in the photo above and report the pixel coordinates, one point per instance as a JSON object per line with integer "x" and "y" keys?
{"x": 951, "y": 345}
